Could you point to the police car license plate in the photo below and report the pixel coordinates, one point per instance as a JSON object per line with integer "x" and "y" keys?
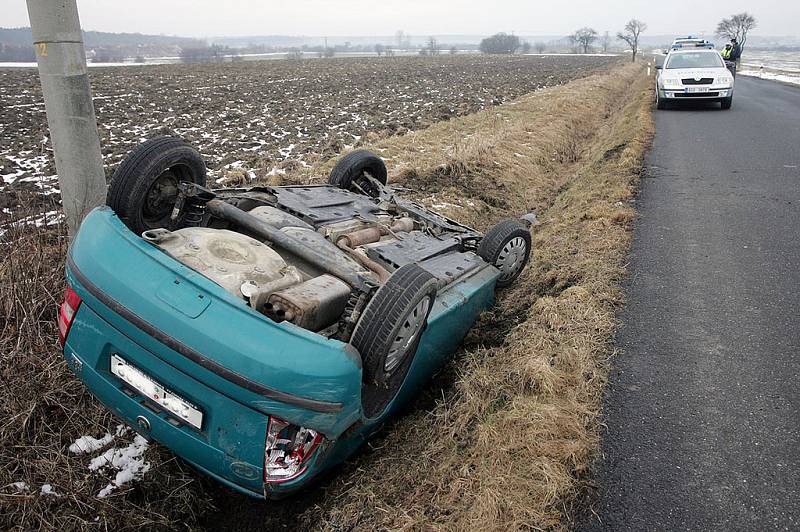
{"x": 697, "y": 89}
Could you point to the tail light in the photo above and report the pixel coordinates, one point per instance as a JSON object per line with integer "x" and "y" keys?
{"x": 66, "y": 313}
{"x": 288, "y": 450}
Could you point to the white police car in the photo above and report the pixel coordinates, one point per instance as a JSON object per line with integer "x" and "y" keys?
{"x": 694, "y": 72}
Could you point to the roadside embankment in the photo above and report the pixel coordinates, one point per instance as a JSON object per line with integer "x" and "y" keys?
{"x": 505, "y": 435}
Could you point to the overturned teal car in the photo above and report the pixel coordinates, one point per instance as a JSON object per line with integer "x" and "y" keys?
{"x": 263, "y": 334}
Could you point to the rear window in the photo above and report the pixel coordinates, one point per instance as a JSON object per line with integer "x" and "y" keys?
{"x": 695, "y": 60}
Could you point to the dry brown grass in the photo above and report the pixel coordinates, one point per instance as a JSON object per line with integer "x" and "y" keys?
{"x": 44, "y": 408}
{"x": 515, "y": 421}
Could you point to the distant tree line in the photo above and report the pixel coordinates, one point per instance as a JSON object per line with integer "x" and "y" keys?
{"x": 16, "y": 53}
{"x": 209, "y": 54}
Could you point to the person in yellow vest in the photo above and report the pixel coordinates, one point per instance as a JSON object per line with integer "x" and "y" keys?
{"x": 727, "y": 56}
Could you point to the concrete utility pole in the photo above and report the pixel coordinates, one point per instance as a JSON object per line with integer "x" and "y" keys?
{"x": 58, "y": 41}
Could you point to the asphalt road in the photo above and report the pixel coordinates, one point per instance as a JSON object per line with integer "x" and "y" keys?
{"x": 703, "y": 406}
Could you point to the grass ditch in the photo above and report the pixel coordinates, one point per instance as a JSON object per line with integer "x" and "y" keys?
{"x": 514, "y": 426}
{"x": 504, "y": 434}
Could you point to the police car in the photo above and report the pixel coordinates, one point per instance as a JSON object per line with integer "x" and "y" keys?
{"x": 693, "y": 70}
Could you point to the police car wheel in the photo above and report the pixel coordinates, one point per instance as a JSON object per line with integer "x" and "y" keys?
{"x": 660, "y": 102}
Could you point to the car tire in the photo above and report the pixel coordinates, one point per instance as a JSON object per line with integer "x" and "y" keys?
{"x": 507, "y": 246}
{"x": 661, "y": 104}
{"x": 348, "y": 173}
{"x": 389, "y": 331}
{"x": 726, "y": 102}
{"x": 143, "y": 188}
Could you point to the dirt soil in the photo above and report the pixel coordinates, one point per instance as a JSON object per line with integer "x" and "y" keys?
{"x": 501, "y": 437}
{"x": 256, "y": 119}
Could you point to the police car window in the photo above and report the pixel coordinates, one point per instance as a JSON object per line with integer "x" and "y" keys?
{"x": 694, "y": 60}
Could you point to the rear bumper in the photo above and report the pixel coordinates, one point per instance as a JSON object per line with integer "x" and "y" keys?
{"x": 233, "y": 458}
{"x": 230, "y": 444}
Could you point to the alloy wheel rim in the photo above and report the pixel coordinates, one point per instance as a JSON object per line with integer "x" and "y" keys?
{"x": 407, "y": 335}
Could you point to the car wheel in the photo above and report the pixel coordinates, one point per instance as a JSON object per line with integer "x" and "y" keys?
{"x": 727, "y": 102}
{"x": 144, "y": 187}
{"x": 661, "y": 104}
{"x": 507, "y": 246}
{"x": 389, "y": 331}
{"x": 349, "y": 172}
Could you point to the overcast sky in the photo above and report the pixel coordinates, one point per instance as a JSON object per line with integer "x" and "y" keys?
{"x": 205, "y": 18}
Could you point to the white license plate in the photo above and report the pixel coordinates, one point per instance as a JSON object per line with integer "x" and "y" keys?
{"x": 697, "y": 89}
{"x": 169, "y": 401}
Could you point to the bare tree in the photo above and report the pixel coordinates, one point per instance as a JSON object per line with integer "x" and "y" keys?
{"x": 605, "y": 42}
{"x": 574, "y": 47}
{"x": 540, "y": 47}
{"x": 453, "y": 50}
{"x": 633, "y": 29}
{"x": 526, "y": 47}
{"x": 379, "y": 49}
{"x": 584, "y": 38}
{"x": 403, "y": 40}
{"x": 433, "y": 46}
{"x": 737, "y": 27}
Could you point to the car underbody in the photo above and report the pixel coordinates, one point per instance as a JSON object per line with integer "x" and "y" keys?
{"x": 329, "y": 249}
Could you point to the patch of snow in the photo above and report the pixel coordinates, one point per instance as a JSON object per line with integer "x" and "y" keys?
{"x": 20, "y": 486}
{"x": 47, "y": 489}
{"x": 445, "y": 205}
{"x": 573, "y": 55}
{"x": 12, "y": 64}
{"x": 774, "y": 76}
{"x": 89, "y": 444}
{"x": 128, "y": 463}
{"x": 287, "y": 150}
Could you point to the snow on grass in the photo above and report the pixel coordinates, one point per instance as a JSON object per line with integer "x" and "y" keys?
{"x": 128, "y": 462}
{"x": 20, "y": 486}
{"x": 89, "y": 444}
{"x": 785, "y": 77}
{"x": 124, "y": 463}
{"x": 47, "y": 489}
{"x": 39, "y": 220}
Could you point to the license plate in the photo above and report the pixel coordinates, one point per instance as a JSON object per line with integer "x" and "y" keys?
{"x": 697, "y": 89}
{"x": 159, "y": 394}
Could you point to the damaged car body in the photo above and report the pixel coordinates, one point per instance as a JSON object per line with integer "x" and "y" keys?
{"x": 263, "y": 334}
